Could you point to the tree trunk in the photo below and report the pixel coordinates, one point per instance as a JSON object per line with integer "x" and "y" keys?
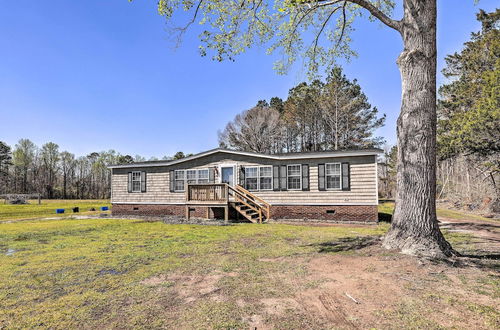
{"x": 64, "y": 185}
{"x": 414, "y": 228}
{"x": 495, "y": 203}
{"x": 25, "y": 180}
{"x": 336, "y": 122}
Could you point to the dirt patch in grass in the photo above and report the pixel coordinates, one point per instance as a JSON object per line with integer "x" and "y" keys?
{"x": 365, "y": 288}
{"x": 373, "y": 288}
{"x": 190, "y": 287}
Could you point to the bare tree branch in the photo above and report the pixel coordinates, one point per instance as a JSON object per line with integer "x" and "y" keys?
{"x": 309, "y": 10}
{"x": 322, "y": 28}
{"x": 182, "y": 30}
{"x": 396, "y": 25}
{"x": 344, "y": 23}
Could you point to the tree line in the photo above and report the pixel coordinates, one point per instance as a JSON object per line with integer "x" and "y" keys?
{"x": 323, "y": 115}
{"x": 27, "y": 169}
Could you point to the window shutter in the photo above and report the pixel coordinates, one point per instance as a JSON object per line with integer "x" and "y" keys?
{"x": 211, "y": 175}
{"x": 143, "y": 182}
{"x": 276, "y": 177}
{"x": 346, "y": 176}
{"x": 283, "y": 176}
{"x": 129, "y": 182}
{"x": 242, "y": 176}
{"x": 172, "y": 181}
{"x": 305, "y": 177}
{"x": 321, "y": 177}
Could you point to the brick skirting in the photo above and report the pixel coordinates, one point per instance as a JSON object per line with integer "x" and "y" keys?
{"x": 335, "y": 213}
{"x": 168, "y": 210}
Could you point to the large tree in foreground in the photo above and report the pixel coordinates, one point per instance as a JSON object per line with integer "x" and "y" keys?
{"x": 296, "y": 27}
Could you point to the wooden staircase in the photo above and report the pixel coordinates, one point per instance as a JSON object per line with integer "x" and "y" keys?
{"x": 250, "y": 206}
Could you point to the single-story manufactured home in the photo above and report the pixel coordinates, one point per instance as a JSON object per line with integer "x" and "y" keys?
{"x": 220, "y": 183}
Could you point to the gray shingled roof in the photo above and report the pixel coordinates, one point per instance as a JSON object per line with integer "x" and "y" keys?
{"x": 283, "y": 156}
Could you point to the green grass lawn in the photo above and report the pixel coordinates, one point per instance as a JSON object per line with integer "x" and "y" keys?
{"x": 48, "y": 208}
{"x": 114, "y": 273}
{"x": 74, "y": 273}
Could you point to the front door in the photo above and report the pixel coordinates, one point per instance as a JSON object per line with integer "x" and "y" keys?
{"x": 228, "y": 175}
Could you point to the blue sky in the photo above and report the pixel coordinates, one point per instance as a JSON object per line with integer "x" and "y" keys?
{"x": 95, "y": 75}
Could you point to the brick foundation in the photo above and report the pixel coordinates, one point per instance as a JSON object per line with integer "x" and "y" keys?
{"x": 338, "y": 213}
{"x": 147, "y": 210}
{"x": 168, "y": 210}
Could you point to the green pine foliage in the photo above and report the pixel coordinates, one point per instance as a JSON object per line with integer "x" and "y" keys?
{"x": 469, "y": 108}
{"x": 333, "y": 114}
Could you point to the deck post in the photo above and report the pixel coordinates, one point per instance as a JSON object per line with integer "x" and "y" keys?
{"x": 226, "y": 213}
{"x": 208, "y": 212}
{"x": 187, "y": 212}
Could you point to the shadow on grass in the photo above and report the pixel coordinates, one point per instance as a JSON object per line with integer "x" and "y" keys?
{"x": 491, "y": 228}
{"x": 347, "y": 244}
{"x": 482, "y": 255}
{"x": 484, "y": 260}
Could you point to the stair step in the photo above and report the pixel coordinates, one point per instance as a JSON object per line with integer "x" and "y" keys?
{"x": 248, "y": 212}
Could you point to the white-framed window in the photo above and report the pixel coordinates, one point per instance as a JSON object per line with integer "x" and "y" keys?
{"x": 259, "y": 178}
{"x": 136, "y": 181}
{"x": 294, "y": 175}
{"x": 333, "y": 174}
{"x": 203, "y": 176}
{"x": 266, "y": 178}
{"x": 252, "y": 178}
{"x": 185, "y": 177}
{"x": 180, "y": 177}
{"x": 191, "y": 176}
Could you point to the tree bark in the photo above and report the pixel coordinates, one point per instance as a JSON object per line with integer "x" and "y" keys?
{"x": 414, "y": 228}
{"x": 64, "y": 184}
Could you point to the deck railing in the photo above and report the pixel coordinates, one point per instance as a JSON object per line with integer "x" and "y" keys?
{"x": 249, "y": 205}
{"x": 212, "y": 192}
{"x": 262, "y": 204}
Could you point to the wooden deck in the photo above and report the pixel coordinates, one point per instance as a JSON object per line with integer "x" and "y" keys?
{"x": 223, "y": 195}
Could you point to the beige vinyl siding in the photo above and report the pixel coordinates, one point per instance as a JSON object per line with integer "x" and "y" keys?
{"x": 157, "y": 187}
{"x": 363, "y": 189}
{"x": 363, "y": 182}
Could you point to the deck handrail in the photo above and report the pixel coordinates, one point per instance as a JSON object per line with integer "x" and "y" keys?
{"x": 218, "y": 193}
{"x": 207, "y": 192}
{"x": 266, "y": 207}
{"x": 252, "y": 195}
{"x": 248, "y": 196}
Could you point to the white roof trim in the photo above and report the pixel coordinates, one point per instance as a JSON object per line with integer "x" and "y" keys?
{"x": 292, "y": 156}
